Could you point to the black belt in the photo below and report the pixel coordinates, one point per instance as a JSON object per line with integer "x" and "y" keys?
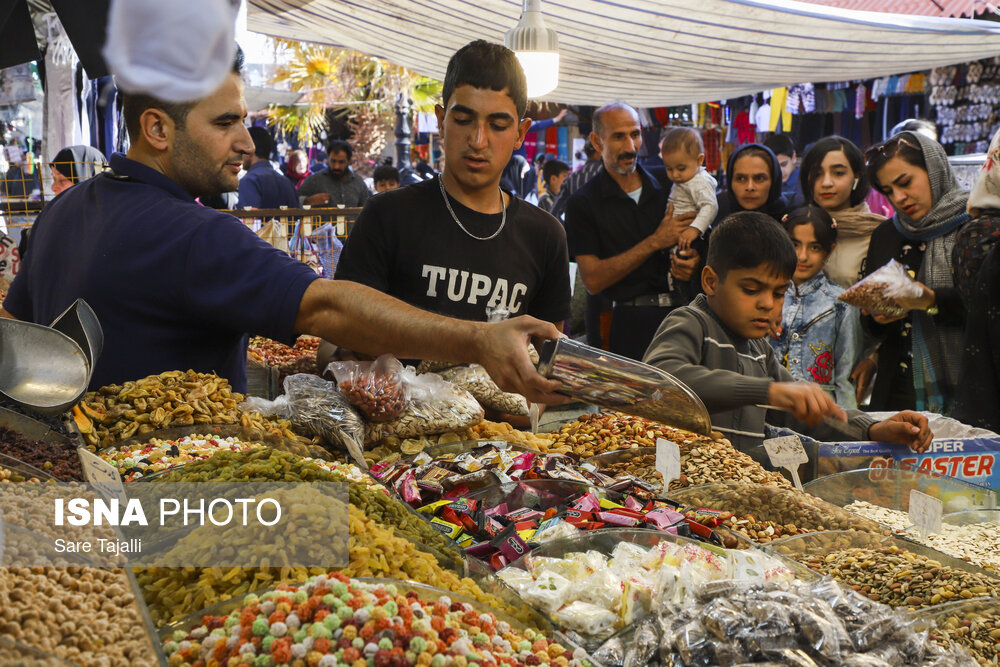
{"x": 665, "y": 300}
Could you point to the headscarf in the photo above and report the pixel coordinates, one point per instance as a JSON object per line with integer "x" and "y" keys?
{"x": 976, "y": 239}
{"x": 936, "y": 349}
{"x": 776, "y": 207}
{"x": 985, "y": 193}
{"x": 78, "y": 163}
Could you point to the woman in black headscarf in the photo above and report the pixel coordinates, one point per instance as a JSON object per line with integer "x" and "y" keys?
{"x": 754, "y": 178}
{"x": 70, "y": 166}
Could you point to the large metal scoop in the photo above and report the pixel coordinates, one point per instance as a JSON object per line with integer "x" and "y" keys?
{"x": 618, "y": 383}
{"x": 80, "y": 323}
{"x": 41, "y": 368}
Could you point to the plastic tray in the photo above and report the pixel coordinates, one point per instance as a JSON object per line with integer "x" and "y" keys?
{"x": 558, "y": 493}
{"x": 223, "y": 431}
{"x": 21, "y": 468}
{"x": 603, "y": 461}
{"x": 456, "y": 448}
{"x": 423, "y": 591}
{"x": 771, "y": 503}
{"x": 890, "y": 488}
{"x": 953, "y": 544}
{"x": 933, "y": 617}
{"x": 799, "y": 547}
{"x": 605, "y": 540}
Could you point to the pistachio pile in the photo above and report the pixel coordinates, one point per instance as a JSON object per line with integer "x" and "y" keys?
{"x": 901, "y": 578}
{"x": 594, "y": 434}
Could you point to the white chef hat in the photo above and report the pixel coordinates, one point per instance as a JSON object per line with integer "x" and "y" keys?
{"x": 175, "y": 50}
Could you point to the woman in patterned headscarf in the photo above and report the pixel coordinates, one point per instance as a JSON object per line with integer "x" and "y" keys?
{"x": 977, "y": 277}
{"x": 919, "y": 355}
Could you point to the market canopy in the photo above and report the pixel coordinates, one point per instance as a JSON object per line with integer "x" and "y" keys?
{"x": 647, "y": 52}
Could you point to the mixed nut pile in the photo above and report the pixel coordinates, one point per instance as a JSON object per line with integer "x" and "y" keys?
{"x": 899, "y": 578}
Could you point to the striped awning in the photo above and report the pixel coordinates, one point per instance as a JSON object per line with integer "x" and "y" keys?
{"x": 956, "y": 8}
{"x": 647, "y": 52}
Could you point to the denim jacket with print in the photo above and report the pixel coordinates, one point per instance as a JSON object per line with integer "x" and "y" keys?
{"x": 821, "y": 337}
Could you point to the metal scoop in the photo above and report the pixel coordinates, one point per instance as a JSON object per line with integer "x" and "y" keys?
{"x": 41, "y": 368}
{"x": 618, "y": 383}
{"x": 80, "y": 323}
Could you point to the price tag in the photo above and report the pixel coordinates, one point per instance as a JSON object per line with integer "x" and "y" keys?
{"x": 788, "y": 453}
{"x": 925, "y": 512}
{"x": 102, "y": 475}
{"x": 668, "y": 461}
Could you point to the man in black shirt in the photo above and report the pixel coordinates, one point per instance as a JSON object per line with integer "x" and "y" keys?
{"x": 621, "y": 239}
{"x": 456, "y": 244}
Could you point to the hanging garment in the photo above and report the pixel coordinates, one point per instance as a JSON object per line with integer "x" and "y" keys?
{"x": 746, "y": 131}
{"x": 779, "y": 112}
{"x": 61, "y": 119}
{"x": 801, "y": 98}
{"x": 763, "y": 118}
{"x": 859, "y": 101}
{"x": 712, "y": 139}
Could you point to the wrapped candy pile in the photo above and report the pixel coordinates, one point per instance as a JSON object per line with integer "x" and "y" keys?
{"x": 501, "y": 531}
{"x": 594, "y": 594}
{"x": 428, "y": 479}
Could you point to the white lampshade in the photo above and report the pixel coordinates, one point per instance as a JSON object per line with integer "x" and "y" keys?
{"x": 537, "y": 49}
{"x": 541, "y": 68}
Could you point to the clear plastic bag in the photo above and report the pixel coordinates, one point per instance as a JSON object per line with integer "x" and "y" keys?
{"x": 475, "y": 380}
{"x": 317, "y": 405}
{"x": 435, "y": 406}
{"x": 376, "y": 388}
{"x": 276, "y": 408}
{"x": 586, "y": 618}
{"x": 877, "y": 293}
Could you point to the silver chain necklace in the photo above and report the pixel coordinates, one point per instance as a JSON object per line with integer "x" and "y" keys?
{"x": 503, "y": 216}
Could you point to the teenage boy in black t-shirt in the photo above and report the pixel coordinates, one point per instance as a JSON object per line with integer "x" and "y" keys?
{"x": 457, "y": 244}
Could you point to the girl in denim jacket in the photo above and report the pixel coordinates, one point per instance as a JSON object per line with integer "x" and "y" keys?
{"x": 820, "y": 338}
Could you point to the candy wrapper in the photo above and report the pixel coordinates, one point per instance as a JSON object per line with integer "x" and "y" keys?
{"x": 878, "y": 292}
{"x": 434, "y": 406}
{"x": 317, "y": 405}
{"x": 376, "y": 388}
{"x": 587, "y": 618}
{"x": 475, "y": 380}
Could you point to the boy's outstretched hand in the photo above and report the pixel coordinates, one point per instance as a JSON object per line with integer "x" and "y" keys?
{"x": 906, "y": 428}
{"x": 805, "y": 400}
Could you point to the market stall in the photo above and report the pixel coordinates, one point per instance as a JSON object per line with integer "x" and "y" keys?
{"x": 471, "y": 541}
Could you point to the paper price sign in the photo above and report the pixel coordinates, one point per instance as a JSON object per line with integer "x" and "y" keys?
{"x": 668, "y": 461}
{"x": 788, "y": 453}
{"x": 102, "y": 475}
{"x": 925, "y": 512}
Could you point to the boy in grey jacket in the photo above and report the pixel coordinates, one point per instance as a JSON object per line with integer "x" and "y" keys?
{"x": 716, "y": 345}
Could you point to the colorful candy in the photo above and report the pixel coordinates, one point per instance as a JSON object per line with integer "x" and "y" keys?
{"x": 332, "y": 620}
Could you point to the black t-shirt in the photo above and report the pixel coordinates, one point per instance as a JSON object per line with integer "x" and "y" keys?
{"x": 602, "y": 220}
{"x": 406, "y": 244}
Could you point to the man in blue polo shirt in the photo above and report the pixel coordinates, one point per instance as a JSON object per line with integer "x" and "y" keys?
{"x": 177, "y": 285}
{"x": 262, "y": 186}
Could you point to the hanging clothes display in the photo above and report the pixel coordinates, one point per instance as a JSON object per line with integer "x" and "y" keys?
{"x": 779, "y": 111}
{"x": 60, "y": 114}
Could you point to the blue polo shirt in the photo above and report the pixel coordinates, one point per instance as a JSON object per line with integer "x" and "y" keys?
{"x": 263, "y": 187}
{"x": 174, "y": 284}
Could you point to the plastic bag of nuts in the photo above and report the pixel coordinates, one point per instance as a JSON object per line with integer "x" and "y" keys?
{"x": 435, "y": 406}
{"x": 475, "y": 380}
{"x": 877, "y": 293}
{"x": 376, "y": 388}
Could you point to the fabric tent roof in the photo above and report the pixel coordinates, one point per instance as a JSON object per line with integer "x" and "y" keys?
{"x": 923, "y": 7}
{"x": 647, "y": 52}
